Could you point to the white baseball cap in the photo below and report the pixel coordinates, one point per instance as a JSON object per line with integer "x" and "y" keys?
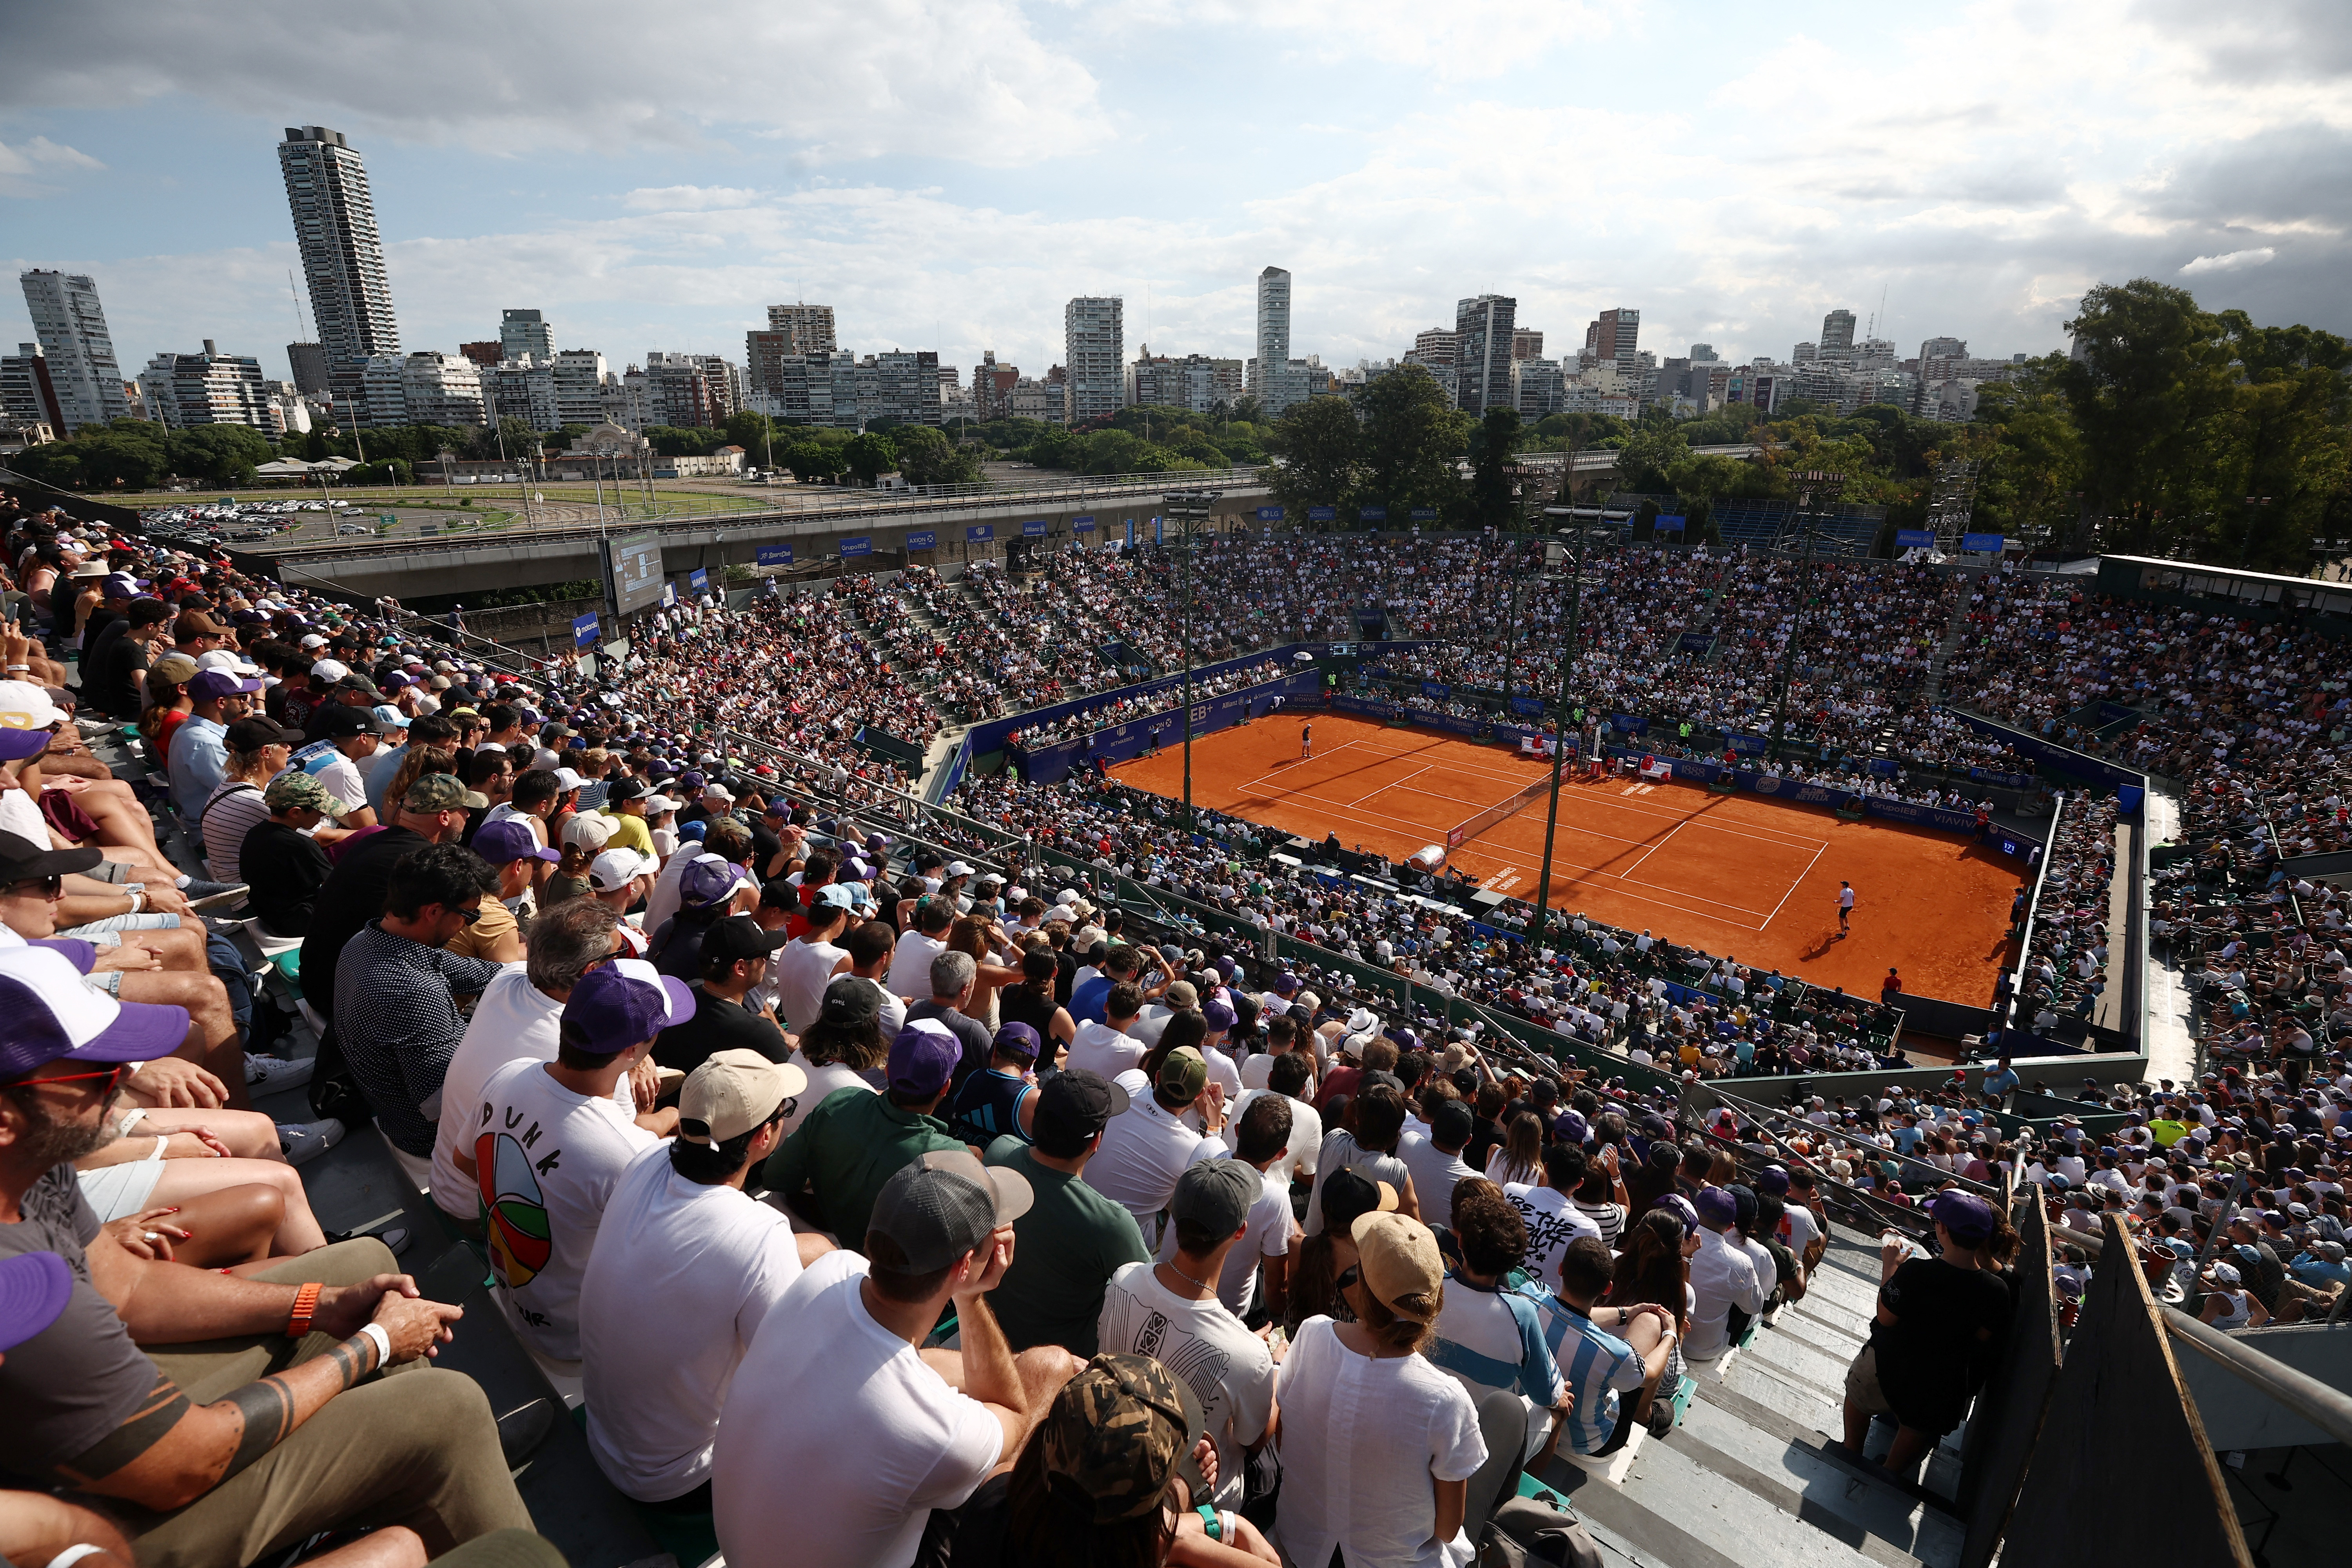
{"x": 25, "y": 706}
{"x": 615, "y": 867}
{"x": 224, "y": 658}
{"x": 589, "y": 830}
{"x": 330, "y": 670}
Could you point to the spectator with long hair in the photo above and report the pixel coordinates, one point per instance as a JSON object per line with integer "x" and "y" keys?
{"x": 1519, "y": 1156}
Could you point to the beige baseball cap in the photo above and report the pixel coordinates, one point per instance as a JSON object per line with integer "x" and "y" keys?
{"x": 1401, "y": 1264}
{"x": 732, "y": 1092}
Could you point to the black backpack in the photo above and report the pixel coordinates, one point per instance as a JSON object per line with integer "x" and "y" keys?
{"x": 1525, "y": 1533}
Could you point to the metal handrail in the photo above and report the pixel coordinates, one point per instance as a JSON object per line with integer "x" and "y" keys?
{"x": 2326, "y": 1408}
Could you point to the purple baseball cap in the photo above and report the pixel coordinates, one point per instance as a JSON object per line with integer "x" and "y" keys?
{"x": 15, "y": 746}
{"x": 52, "y": 1016}
{"x": 510, "y": 839}
{"x": 709, "y": 881}
{"x": 624, "y": 1003}
{"x": 1966, "y": 1216}
{"x": 210, "y": 685}
{"x": 923, "y": 1057}
{"x": 1716, "y": 1208}
{"x": 34, "y": 1289}
{"x": 1217, "y": 1015}
{"x": 1680, "y": 1207}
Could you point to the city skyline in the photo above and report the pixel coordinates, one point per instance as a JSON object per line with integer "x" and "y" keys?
{"x": 2125, "y": 138}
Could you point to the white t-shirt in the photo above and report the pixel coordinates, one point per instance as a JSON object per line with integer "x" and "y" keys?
{"x": 843, "y": 1440}
{"x": 678, "y": 1283}
{"x": 822, "y": 1083}
{"x": 514, "y": 1021}
{"x": 1435, "y": 1171}
{"x": 552, "y": 1157}
{"x": 1305, "y": 1136}
{"x": 20, "y": 814}
{"x": 1552, "y": 1223}
{"x": 1098, "y": 1047}
{"x": 1144, "y": 1149}
{"x": 506, "y": 811}
{"x": 800, "y": 972}
{"x": 1229, "y": 1368}
{"x": 1363, "y": 1437}
{"x": 910, "y": 965}
{"x": 1267, "y": 1236}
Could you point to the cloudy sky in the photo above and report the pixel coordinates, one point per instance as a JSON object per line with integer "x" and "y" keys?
{"x": 946, "y": 172}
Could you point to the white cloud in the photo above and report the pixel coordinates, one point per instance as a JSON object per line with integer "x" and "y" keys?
{"x": 962, "y": 78}
{"x": 2234, "y": 261}
{"x": 688, "y": 198}
{"x": 26, "y": 167}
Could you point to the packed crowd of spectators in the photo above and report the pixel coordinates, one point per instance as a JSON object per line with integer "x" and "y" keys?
{"x": 2068, "y": 966}
{"x": 1123, "y": 709}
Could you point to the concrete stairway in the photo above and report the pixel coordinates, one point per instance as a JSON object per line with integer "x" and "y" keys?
{"x": 1956, "y": 628}
{"x": 1750, "y": 1479}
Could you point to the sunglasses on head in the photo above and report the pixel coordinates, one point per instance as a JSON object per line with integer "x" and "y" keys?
{"x": 469, "y": 916}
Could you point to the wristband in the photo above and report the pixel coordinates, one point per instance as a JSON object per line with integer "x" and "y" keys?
{"x": 73, "y": 1554}
{"x": 138, "y": 899}
{"x": 382, "y": 1342}
{"x": 305, "y": 1305}
{"x": 1208, "y": 1512}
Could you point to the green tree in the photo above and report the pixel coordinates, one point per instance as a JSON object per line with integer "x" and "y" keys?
{"x": 1323, "y": 455}
{"x": 1412, "y": 444}
{"x": 2284, "y": 454}
{"x": 811, "y": 461}
{"x": 869, "y": 456}
{"x": 1648, "y": 458}
{"x": 1493, "y": 444}
{"x": 2030, "y": 483}
{"x": 928, "y": 457}
{"x": 218, "y": 454}
{"x": 2151, "y": 385}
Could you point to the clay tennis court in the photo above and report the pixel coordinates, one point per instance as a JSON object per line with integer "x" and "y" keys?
{"x": 1735, "y": 875}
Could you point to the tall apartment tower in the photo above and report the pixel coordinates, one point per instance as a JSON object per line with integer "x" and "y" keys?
{"x": 808, "y": 327}
{"x": 1273, "y": 328}
{"x": 1837, "y": 335}
{"x": 309, "y": 364}
{"x": 1436, "y": 346}
{"x": 524, "y": 332}
{"x": 1527, "y": 344}
{"x": 1094, "y": 347}
{"x": 1483, "y": 330}
{"x": 342, "y": 256}
{"x": 1615, "y": 336}
{"x": 75, "y": 343}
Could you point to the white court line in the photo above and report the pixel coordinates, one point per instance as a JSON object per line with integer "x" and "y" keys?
{"x": 1251, "y": 787}
{"x": 1652, "y": 850}
{"x": 1795, "y": 885}
{"x": 1742, "y": 828}
{"x": 1398, "y": 784}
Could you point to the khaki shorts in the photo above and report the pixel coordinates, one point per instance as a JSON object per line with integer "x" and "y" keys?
{"x": 1861, "y": 1389}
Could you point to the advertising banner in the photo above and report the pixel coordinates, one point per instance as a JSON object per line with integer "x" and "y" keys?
{"x": 1914, "y": 538}
{"x": 926, "y": 540}
{"x": 858, "y": 545}
{"x": 1033, "y": 528}
{"x": 978, "y": 533}
{"x": 1983, "y": 543}
{"x": 584, "y": 630}
{"x": 775, "y": 555}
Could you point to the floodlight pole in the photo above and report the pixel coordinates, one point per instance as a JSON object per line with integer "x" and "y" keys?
{"x": 1559, "y": 721}
{"x": 1186, "y": 508}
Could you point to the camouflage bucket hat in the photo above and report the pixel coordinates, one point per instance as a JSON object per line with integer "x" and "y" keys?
{"x": 442, "y": 792}
{"x": 1117, "y": 1431}
{"x": 296, "y": 788}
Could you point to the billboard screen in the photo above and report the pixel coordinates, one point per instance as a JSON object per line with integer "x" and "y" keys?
{"x": 638, "y": 580}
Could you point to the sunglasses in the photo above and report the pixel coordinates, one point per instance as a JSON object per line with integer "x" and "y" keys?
{"x": 1351, "y": 1275}
{"x": 469, "y": 916}
{"x": 47, "y": 887}
{"x": 114, "y": 1075}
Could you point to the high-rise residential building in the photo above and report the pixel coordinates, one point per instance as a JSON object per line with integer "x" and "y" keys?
{"x": 1703, "y": 353}
{"x": 1943, "y": 348}
{"x": 1273, "y": 328}
{"x": 1526, "y": 343}
{"x": 521, "y": 389}
{"x": 906, "y": 388}
{"x": 1483, "y": 328}
{"x": 185, "y": 391}
{"x": 1837, "y": 335}
{"x": 808, "y": 327}
{"x": 582, "y": 387}
{"x": 27, "y": 396}
{"x": 1196, "y": 381}
{"x": 440, "y": 389}
{"x": 1436, "y": 346}
{"x": 1094, "y": 347}
{"x": 688, "y": 391}
{"x": 526, "y": 332}
{"x": 71, "y": 327}
{"x": 343, "y": 257}
{"x": 1615, "y": 336}
{"x": 1537, "y": 387}
{"x": 487, "y": 352}
{"x": 308, "y": 363}
{"x": 991, "y": 387}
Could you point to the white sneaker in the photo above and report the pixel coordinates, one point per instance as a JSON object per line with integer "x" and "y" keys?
{"x": 302, "y": 1142}
{"x": 267, "y": 1075}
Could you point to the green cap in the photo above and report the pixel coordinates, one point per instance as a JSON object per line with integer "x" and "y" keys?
{"x": 1117, "y": 1431}
{"x": 1182, "y": 1074}
{"x": 295, "y": 789}
{"x": 442, "y": 792}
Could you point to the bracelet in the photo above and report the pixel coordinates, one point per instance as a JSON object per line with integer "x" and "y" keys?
{"x": 73, "y": 1554}
{"x": 138, "y": 899}
{"x": 305, "y": 1305}
{"x": 1208, "y": 1512}
{"x": 382, "y": 1342}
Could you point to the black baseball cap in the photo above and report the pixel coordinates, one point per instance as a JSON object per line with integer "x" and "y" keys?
{"x": 21, "y": 859}
{"x": 738, "y": 937}
{"x": 252, "y": 734}
{"x": 1074, "y": 1106}
{"x": 337, "y": 721}
{"x": 626, "y": 789}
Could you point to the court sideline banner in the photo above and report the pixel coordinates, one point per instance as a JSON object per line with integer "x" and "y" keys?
{"x": 1131, "y": 738}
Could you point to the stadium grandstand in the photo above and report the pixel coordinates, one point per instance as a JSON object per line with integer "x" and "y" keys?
{"x": 923, "y": 1066}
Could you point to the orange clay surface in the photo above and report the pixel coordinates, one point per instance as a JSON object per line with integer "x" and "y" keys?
{"x": 1735, "y": 875}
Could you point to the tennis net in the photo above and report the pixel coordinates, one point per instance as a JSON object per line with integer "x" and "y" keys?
{"x": 1471, "y": 826}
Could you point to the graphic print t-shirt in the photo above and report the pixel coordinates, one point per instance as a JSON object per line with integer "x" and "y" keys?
{"x": 546, "y": 1161}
